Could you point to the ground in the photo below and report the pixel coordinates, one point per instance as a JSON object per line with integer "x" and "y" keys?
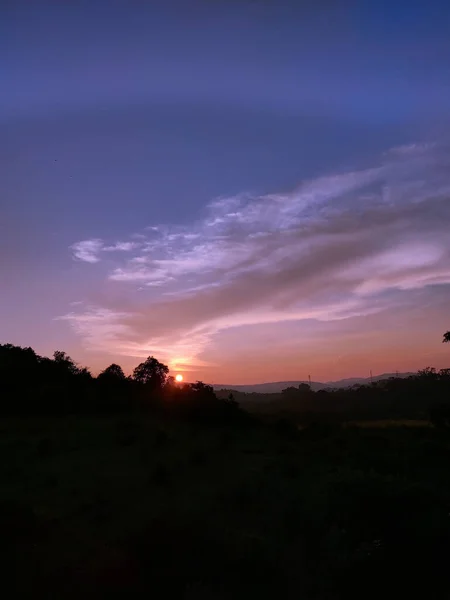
{"x": 132, "y": 506}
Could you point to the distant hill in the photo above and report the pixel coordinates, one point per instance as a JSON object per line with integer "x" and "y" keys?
{"x": 269, "y": 388}
{"x": 275, "y": 387}
{"x": 343, "y": 383}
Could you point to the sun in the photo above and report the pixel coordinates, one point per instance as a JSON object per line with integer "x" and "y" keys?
{"x": 179, "y": 378}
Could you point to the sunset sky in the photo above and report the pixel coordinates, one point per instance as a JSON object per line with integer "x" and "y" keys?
{"x": 248, "y": 190}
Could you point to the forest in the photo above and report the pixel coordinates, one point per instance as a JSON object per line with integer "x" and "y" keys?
{"x": 116, "y": 486}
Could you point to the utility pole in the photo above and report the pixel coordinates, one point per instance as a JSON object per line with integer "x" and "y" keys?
{"x": 309, "y": 379}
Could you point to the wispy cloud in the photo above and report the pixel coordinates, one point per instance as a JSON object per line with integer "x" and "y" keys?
{"x": 333, "y": 248}
{"x": 101, "y": 328}
{"x": 121, "y": 247}
{"x": 90, "y": 250}
{"x": 87, "y": 250}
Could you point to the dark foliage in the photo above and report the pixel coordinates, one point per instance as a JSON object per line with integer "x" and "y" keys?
{"x": 112, "y": 375}
{"x": 415, "y": 397}
{"x": 31, "y": 384}
{"x": 151, "y": 373}
{"x": 122, "y": 486}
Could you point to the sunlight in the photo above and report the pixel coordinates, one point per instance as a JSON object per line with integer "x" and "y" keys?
{"x": 179, "y": 378}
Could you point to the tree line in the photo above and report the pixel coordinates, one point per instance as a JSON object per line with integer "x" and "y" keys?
{"x": 425, "y": 395}
{"x": 33, "y": 384}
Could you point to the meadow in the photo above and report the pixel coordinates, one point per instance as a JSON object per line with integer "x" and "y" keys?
{"x": 116, "y": 486}
{"x": 142, "y": 506}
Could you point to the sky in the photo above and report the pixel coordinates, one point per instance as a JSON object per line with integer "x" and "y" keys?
{"x": 248, "y": 190}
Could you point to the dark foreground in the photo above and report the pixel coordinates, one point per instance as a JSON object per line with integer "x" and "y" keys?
{"x": 133, "y": 507}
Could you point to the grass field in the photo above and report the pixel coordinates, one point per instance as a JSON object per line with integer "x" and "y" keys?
{"x": 136, "y": 506}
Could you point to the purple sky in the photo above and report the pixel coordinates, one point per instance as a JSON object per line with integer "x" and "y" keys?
{"x": 250, "y": 191}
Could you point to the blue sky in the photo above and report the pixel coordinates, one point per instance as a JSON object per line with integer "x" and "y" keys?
{"x": 258, "y": 140}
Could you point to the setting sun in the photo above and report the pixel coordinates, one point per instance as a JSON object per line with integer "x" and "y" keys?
{"x": 179, "y": 378}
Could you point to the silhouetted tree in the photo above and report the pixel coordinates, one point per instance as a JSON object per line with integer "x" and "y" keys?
{"x": 446, "y": 337}
{"x": 151, "y": 373}
{"x": 428, "y": 372}
{"x": 304, "y": 388}
{"x": 19, "y": 374}
{"x": 112, "y": 374}
{"x": 64, "y": 363}
{"x": 296, "y": 392}
{"x": 170, "y": 382}
{"x": 114, "y": 390}
{"x": 290, "y": 391}
{"x": 202, "y": 389}
{"x": 17, "y": 362}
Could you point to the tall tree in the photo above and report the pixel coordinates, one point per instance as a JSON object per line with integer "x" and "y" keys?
{"x": 112, "y": 374}
{"x": 18, "y": 364}
{"x": 65, "y": 362}
{"x": 202, "y": 389}
{"x": 151, "y": 372}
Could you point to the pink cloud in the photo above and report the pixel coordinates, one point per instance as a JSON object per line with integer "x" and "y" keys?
{"x": 336, "y": 248}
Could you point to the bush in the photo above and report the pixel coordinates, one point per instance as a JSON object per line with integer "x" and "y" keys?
{"x": 440, "y": 414}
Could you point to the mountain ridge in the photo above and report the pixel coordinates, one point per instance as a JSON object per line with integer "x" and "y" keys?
{"x": 273, "y": 387}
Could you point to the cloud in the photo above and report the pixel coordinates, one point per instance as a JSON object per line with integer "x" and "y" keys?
{"x": 101, "y": 328}
{"x": 412, "y": 149}
{"x": 89, "y": 250}
{"x": 121, "y": 247}
{"x": 339, "y": 246}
